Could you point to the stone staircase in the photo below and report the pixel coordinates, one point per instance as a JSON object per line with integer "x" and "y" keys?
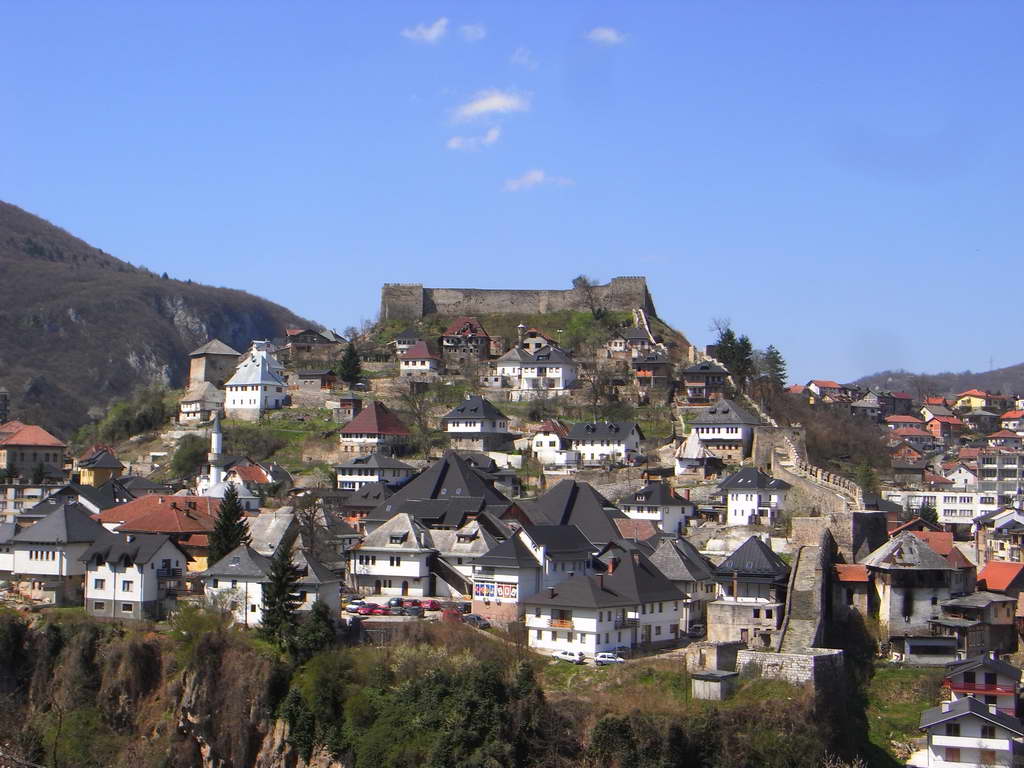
{"x": 803, "y": 621}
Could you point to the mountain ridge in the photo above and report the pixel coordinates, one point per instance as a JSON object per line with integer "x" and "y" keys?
{"x": 80, "y": 327}
{"x": 1007, "y": 380}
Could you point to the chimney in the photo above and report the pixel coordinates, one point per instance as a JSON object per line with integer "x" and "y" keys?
{"x": 992, "y": 709}
{"x": 551, "y": 591}
{"x": 612, "y": 563}
{"x": 600, "y": 581}
{"x": 129, "y": 538}
{"x": 946, "y": 705}
{"x": 636, "y": 558}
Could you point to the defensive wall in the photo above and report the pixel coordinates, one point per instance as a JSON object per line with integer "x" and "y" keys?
{"x": 412, "y": 301}
{"x": 822, "y": 667}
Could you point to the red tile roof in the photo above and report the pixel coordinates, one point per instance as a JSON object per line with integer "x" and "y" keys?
{"x": 16, "y": 433}
{"x": 914, "y": 524}
{"x": 375, "y": 419}
{"x": 796, "y": 389}
{"x": 935, "y": 401}
{"x": 154, "y": 509}
{"x": 465, "y": 326}
{"x": 911, "y": 432}
{"x": 554, "y": 426}
{"x": 1013, "y": 415}
{"x": 1003, "y": 433}
{"x": 953, "y": 420}
{"x": 825, "y": 384}
{"x": 901, "y": 395}
{"x": 973, "y": 393}
{"x": 969, "y": 453}
{"x": 250, "y": 474}
{"x": 903, "y": 420}
{"x": 940, "y": 541}
{"x": 998, "y": 576}
{"x": 851, "y": 573}
{"x": 419, "y": 351}
{"x": 931, "y": 478}
{"x": 641, "y": 530}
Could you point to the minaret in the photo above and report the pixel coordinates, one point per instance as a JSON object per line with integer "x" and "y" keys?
{"x": 216, "y": 446}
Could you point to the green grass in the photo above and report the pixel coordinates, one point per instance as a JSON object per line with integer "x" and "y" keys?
{"x": 896, "y": 699}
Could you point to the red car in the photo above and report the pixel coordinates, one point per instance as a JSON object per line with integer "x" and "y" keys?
{"x": 430, "y": 605}
{"x": 367, "y": 608}
{"x": 411, "y": 602}
{"x": 381, "y": 610}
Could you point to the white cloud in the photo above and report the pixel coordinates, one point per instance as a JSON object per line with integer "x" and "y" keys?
{"x": 490, "y": 101}
{"x": 473, "y": 33}
{"x": 427, "y": 33}
{"x": 605, "y": 36}
{"x": 523, "y": 58}
{"x": 472, "y": 143}
{"x": 536, "y": 177}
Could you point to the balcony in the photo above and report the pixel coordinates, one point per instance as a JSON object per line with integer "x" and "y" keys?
{"x": 560, "y": 623}
{"x": 623, "y": 622}
{"x": 168, "y": 573}
{"x": 971, "y": 742}
{"x": 989, "y": 688}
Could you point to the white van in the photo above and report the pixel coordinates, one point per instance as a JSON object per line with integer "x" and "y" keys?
{"x": 573, "y": 657}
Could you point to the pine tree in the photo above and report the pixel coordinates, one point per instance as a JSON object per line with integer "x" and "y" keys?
{"x": 280, "y": 598}
{"x": 316, "y": 632}
{"x": 866, "y": 477}
{"x": 775, "y": 367}
{"x": 230, "y": 529}
{"x": 350, "y": 370}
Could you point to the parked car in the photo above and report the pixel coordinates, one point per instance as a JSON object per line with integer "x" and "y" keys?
{"x": 459, "y": 606}
{"x": 413, "y": 610}
{"x": 573, "y": 657}
{"x": 696, "y": 630}
{"x": 476, "y": 620}
{"x": 410, "y": 602}
{"x": 430, "y": 605}
{"x": 366, "y": 609}
{"x": 607, "y": 657}
{"x": 354, "y": 606}
{"x": 381, "y": 610}
{"x": 395, "y": 602}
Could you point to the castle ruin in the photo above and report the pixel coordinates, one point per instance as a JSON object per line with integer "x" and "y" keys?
{"x": 411, "y": 301}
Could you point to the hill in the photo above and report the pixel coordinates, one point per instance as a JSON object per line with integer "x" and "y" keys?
{"x": 79, "y": 327}
{"x": 1009, "y": 380}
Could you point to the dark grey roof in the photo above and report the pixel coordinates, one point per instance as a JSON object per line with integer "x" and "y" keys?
{"x": 752, "y": 478}
{"x": 907, "y": 551}
{"x": 574, "y": 503}
{"x": 979, "y": 599}
{"x": 706, "y": 367}
{"x": 725, "y": 412}
{"x": 432, "y": 513}
{"x": 136, "y": 484}
{"x": 549, "y": 354}
{"x": 137, "y": 548}
{"x": 968, "y": 705}
{"x": 374, "y": 461}
{"x": 214, "y": 347}
{"x": 101, "y": 460}
{"x": 559, "y": 539}
{"x": 66, "y": 524}
{"x": 633, "y": 333}
{"x": 511, "y": 553}
{"x": 633, "y": 580}
{"x": 656, "y": 494}
{"x": 651, "y": 358}
{"x": 986, "y": 662}
{"x": 7, "y": 531}
{"x": 603, "y": 430}
{"x": 409, "y": 333}
{"x": 474, "y": 407}
{"x": 370, "y": 495}
{"x": 679, "y": 560}
{"x": 754, "y": 560}
{"x": 241, "y": 562}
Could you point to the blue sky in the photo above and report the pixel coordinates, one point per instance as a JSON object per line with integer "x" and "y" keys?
{"x": 842, "y": 180}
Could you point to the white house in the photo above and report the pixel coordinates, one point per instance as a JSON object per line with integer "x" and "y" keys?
{"x": 545, "y": 372}
{"x": 988, "y": 679}
{"x": 236, "y": 583}
{"x": 631, "y": 605}
{"x": 394, "y": 560}
{"x": 1013, "y": 421}
{"x": 131, "y": 575}
{"x": 476, "y": 425}
{"x": 963, "y": 476}
{"x": 726, "y": 430}
{"x": 691, "y": 573}
{"x": 549, "y": 445}
{"x": 605, "y": 441}
{"x": 7, "y": 531}
{"x": 967, "y": 733}
{"x": 661, "y": 505}
{"x": 376, "y": 428}
{"x": 374, "y": 468}
{"x": 418, "y": 361}
{"x": 256, "y": 386}
{"x": 692, "y": 458}
{"x": 951, "y": 507}
{"x": 753, "y": 498}
{"x": 47, "y": 562}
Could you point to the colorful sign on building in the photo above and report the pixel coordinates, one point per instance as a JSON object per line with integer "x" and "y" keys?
{"x": 490, "y": 590}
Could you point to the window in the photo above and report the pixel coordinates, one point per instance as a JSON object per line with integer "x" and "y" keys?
{"x": 540, "y": 634}
{"x": 216, "y": 583}
{"x": 536, "y": 612}
{"x": 252, "y": 608}
{"x": 757, "y": 613}
{"x": 988, "y": 732}
{"x": 952, "y": 729}
{"x": 126, "y": 586}
{"x": 99, "y": 583}
{"x": 126, "y": 607}
{"x": 234, "y": 583}
{"x": 99, "y": 606}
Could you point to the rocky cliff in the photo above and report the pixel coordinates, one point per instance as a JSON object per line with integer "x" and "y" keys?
{"x": 79, "y": 327}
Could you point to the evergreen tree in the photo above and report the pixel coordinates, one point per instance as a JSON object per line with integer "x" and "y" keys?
{"x": 230, "y": 530}
{"x": 350, "y": 370}
{"x": 743, "y": 363}
{"x": 280, "y": 598}
{"x": 775, "y": 367}
{"x": 866, "y": 478}
{"x": 316, "y": 632}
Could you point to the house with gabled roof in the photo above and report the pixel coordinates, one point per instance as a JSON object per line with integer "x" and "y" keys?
{"x": 476, "y": 425}
{"x": 47, "y": 563}
{"x": 532, "y": 375}
{"x": 630, "y": 605}
{"x": 986, "y": 678}
{"x": 575, "y": 503}
{"x": 188, "y": 520}
{"x": 691, "y": 573}
{"x": 967, "y": 732}
{"x": 256, "y": 386}
{"x": 661, "y": 505}
{"x": 751, "y": 596}
{"x": 727, "y": 430}
{"x": 311, "y": 342}
{"x": 98, "y": 467}
{"x": 377, "y": 429}
{"x": 213, "y": 363}
{"x": 358, "y": 471}
{"x": 26, "y": 447}
{"x": 980, "y": 621}
{"x": 236, "y": 583}
{"x": 200, "y": 402}
{"x": 603, "y": 442}
{"x": 704, "y": 382}
{"x": 465, "y": 340}
{"x": 420, "y": 362}
{"x": 133, "y": 576}
{"x": 549, "y": 444}
{"x": 753, "y": 497}
{"x": 626, "y": 342}
{"x": 651, "y": 370}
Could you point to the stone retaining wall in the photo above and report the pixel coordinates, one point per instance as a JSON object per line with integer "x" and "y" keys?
{"x": 822, "y": 667}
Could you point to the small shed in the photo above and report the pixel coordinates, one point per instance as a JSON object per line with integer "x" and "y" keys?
{"x": 713, "y": 684}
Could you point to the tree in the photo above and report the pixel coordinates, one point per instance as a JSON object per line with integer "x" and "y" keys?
{"x": 587, "y": 289}
{"x": 774, "y": 367}
{"x": 189, "y": 455}
{"x": 316, "y": 632}
{"x": 866, "y": 478}
{"x": 350, "y": 370}
{"x": 928, "y": 514}
{"x": 280, "y": 598}
{"x": 230, "y": 530}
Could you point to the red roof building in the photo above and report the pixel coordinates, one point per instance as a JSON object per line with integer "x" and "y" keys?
{"x": 376, "y": 428}
{"x": 851, "y": 573}
{"x": 895, "y": 421}
{"x": 1005, "y": 578}
{"x": 26, "y": 447}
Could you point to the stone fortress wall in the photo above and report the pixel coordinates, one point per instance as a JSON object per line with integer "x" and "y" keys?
{"x": 411, "y": 301}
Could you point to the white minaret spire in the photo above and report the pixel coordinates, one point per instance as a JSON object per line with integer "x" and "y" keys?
{"x": 216, "y": 446}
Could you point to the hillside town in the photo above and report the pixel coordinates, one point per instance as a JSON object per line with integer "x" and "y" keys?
{"x": 521, "y": 503}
